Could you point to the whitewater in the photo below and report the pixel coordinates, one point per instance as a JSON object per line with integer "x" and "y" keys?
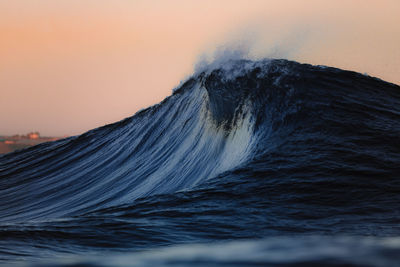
{"x": 245, "y": 163}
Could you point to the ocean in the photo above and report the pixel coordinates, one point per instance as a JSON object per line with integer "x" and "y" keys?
{"x": 247, "y": 163}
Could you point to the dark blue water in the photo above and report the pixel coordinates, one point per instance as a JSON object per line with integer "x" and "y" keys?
{"x": 248, "y": 163}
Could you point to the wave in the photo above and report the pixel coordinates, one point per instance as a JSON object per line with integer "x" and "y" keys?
{"x": 243, "y": 149}
{"x": 214, "y": 122}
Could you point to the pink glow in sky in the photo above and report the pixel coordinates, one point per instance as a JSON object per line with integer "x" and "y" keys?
{"x": 68, "y": 66}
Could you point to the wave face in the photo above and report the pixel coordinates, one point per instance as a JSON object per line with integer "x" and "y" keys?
{"x": 246, "y": 149}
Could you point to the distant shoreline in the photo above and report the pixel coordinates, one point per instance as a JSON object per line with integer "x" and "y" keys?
{"x": 11, "y": 143}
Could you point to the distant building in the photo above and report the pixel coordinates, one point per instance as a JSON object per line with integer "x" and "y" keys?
{"x": 34, "y": 135}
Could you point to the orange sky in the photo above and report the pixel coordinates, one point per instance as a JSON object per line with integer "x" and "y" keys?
{"x": 68, "y": 66}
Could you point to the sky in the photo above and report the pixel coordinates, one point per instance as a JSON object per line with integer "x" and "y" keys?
{"x": 68, "y": 66}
